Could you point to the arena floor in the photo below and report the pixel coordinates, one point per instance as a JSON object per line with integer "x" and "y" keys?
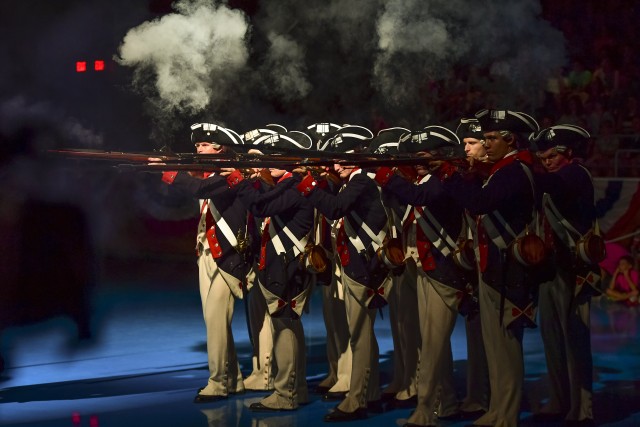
{"x": 148, "y": 359}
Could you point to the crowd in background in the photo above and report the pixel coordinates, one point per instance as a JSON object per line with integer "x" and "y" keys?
{"x": 598, "y": 89}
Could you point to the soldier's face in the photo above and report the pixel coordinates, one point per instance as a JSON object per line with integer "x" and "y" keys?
{"x": 343, "y": 171}
{"x": 207, "y": 148}
{"x": 422, "y": 170}
{"x": 552, "y": 159}
{"x": 496, "y": 146}
{"x": 474, "y": 148}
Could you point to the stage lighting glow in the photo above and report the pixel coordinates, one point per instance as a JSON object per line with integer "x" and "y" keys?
{"x": 81, "y": 66}
{"x": 98, "y": 65}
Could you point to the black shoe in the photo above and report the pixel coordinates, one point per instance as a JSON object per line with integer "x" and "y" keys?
{"x": 321, "y": 389}
{"x": 587, "y": 422}
{"x": 332, "y": 396}
{"x": 402, "y": 404}
{"x": 208, "y": 398}
{"x": 547, "y": 417}
{"x": 337, "y": 415}
{"x": 375, "y": 406}
{"x": 417, "y": 425}
{"x": 453, "y": 417}
{"x": 259, "y": 407}
{"x": 472, "y": 415}
{"x": 386, "y": 397}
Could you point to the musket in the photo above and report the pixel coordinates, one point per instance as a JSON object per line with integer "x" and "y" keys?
{"x": 283, "y": 155}
{"x": 215, "y": 162}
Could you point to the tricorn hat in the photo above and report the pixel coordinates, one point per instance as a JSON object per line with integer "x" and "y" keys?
{"x": 561, "y": 137}
{"x": 347, "y": 139}
{"x": 431, "y": 138}
{"x": 293, "y": 139}
{"x": 506, "y": 120}
{"x": 319, "y": 131}
{"x": 209, "y": 132}
{"x": 386, "y": 141}
{"x": 254, "y": 136}
{"x": 469, "y": 128}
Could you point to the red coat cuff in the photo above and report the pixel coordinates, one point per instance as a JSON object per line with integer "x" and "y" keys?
{"x": 169, "y": 176}
{"x": 234, "y": 178}
{"x": 307, "y": 185}
{"x": 446, "y": 170}
{"x": 383, "y": 175}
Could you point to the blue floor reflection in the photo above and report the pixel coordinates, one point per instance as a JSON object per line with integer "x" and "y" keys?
{"x": 148, "y": 359}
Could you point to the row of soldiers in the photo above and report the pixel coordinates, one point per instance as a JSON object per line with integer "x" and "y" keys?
{"x": 502, "y": 237}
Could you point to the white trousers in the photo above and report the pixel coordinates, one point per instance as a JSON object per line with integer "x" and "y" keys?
{"x": 365, "y": 372}
{"x": 217, "y": 307}
{"x": 505, "y": 362}
{"x": 435, "y": 370}
{"x": 565, "y": 330}
{"x": 403, "y": 317}
{"x": 339, "y": 355}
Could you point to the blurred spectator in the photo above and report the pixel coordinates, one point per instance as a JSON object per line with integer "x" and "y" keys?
{"x": 572, "y": 112}
{"x": 623, "y": 286}
{"x": 578, "y": 80}
{"x": 635, "y": 249}
{"x": 595, "y": 115}
{"x": 608, "y": 77}
{"x": 555, "y": 91}
{"x": 627, "y": 113}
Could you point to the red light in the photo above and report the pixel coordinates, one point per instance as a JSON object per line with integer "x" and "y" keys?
{"x": 81, "y": 66}
{"x": 98, "y": 65}
{"x": 75, "y": 418}
{"x": 93, "y": 421}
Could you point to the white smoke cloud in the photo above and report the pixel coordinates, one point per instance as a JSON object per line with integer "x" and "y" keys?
{"x": 421, "y": 41}
{"x": 285, "y": 68}
{"x": 335, "y": 59}
{"x": 19, "y": 113}
{"x": 194, "y": 53}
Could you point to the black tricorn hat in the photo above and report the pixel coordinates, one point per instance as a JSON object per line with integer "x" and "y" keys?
{"x": 209, "y": 132}
{"x": 469, "y": 128}
{"x": 431, "y": 138}
{"x": 254, "y": 136}
{"x": 561, "y": 137}
{"x": 293, "y": 139}
{"x": 347, "y": 139}
{"x": 386, "y": 141}
{"x": 506, "y": 120}
{"x": 319, "y": 131}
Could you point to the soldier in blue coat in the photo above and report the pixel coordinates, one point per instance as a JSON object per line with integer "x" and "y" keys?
{"x": 360, "y": 229}
{"x": 282, "y": 275}
{"x": 221, "y": 259}
{"x": 434, "y": 224}
{"x": 564, "y": 301}
{"x": 258, "y": 319}
{"x": 402, "y": 390}
{"x": 476, "y": 401}
{"x": 506, "y": 205}
{"x": 334, "y": 313}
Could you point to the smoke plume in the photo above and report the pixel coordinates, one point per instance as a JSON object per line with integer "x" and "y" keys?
{"x": 193, "y": 54}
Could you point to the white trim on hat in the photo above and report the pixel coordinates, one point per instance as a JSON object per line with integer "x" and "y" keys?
{"x": 296, "y": 143}
{"x": 583, "y": 132}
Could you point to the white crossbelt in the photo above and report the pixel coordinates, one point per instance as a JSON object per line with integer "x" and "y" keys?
{"x": 221, "y": 224}
{"x": 299, "y": 244}
{"x": 493, "y": 232}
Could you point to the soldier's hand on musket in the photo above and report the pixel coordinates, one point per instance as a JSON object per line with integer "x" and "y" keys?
{"x": 156, "y": 161}
{"x": 255, "y": 172}
{"x": 302, "y": 170}
{"x": 226, "y": 171}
